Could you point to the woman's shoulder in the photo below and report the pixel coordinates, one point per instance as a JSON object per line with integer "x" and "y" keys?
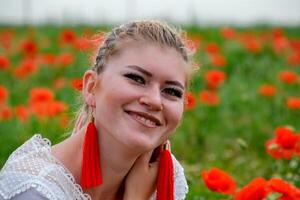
{"x": 33, "y": 166}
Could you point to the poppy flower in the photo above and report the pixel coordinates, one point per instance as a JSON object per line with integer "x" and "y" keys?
{"x": 82, "y": 44}
{"x": 47, "y": 59}
{"x": 3, "y": 94}
{"x": 38, "y": 95}
{"x": 288, "y": 77}
{"x": 293, "y": 103}
{"x": 215, "y": 78}
{"x": 267, "y": 90}
{"x": 48, "y": 109}
{"x": 277, "y": 152}
{"x": 219, "y": 181}
{"x": 190, "y": 100}
{"x": 5, "y": 113}
{"x": 209, "y": 97}
{"x": 251, "y": 42}
{"x": 29, "y": 47}
{"x": 77, "y": 83}
{"x": 294, "y": 58}
{"x": 286, "y": 138}
{"x": 65, "y": 59}
{"x": 228, "y": 33}
{"x": 26, "y": 68}
{"x": 212, "y": 48}
{"x": 4, "y": 62}
{"x": 255, "y": 190}
{"x": 22, "y": 113}
{"x": 218, "y": 60}
{"x": 6, "y": 38}
{"x": 284, "y": 145}
{"x": 67, "y": 36}
{"x": 288, "y": 191}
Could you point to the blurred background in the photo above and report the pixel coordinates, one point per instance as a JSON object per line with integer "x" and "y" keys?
{"x": 243, "y": 108}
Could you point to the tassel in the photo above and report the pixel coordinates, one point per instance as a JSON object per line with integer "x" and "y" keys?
{"x": 165, "y": 180}
{"x": 91, "y": 175}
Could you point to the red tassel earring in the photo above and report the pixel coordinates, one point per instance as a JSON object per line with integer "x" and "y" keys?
{"x": 165, "y": 180}
{"x": 91, "y": 175}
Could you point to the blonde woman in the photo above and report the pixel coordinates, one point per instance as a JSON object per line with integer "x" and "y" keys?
{"x": 133, "y": 102}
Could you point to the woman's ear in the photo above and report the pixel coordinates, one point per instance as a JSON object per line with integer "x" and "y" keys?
{"x": 89, "y": 84}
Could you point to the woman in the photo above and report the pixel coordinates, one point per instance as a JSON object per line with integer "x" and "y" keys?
{"x": 133, "y": 102}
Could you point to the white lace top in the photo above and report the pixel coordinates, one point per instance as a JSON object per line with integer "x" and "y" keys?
{"x": 32, "y": 166}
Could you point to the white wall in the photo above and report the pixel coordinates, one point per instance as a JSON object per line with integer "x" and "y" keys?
{"x": 242, "y": 12}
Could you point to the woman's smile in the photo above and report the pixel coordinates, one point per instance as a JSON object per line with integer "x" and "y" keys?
{"x": 144, "y": 119}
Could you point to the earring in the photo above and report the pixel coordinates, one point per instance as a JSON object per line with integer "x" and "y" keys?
{"x": 165, "y": 180}
{"x": 91, "y": 175}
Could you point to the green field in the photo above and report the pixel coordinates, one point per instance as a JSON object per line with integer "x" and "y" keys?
{"x": 229, "y": 134}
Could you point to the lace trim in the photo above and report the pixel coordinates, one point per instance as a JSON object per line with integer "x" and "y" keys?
{"x": 47, "y": 143}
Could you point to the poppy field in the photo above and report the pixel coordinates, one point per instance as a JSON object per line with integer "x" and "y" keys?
{"x": 240, "y": 135}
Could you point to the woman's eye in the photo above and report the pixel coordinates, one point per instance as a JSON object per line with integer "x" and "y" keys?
{"x": 173, "y": 92}
{"x": 136, "y": 78}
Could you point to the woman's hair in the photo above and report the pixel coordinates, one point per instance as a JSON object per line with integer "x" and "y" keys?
{"x": 156, "y": 32}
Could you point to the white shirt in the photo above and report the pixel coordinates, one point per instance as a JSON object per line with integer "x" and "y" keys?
{"x": 33, "y": 169}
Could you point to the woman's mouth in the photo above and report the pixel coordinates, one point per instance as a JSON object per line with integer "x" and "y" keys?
{"x": 144, "y": 119}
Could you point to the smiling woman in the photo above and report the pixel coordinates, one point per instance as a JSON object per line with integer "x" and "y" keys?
{"x": 133, "y": 101}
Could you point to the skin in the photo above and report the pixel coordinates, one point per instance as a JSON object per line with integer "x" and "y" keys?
{"x": 126, "y": 143}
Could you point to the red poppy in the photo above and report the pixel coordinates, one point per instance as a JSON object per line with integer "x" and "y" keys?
{"x": 293, "y": 103}
{"x": 251, "y": 42}
{"x": 6, "y": 38}
{"x": 67, "y": 36}
{"x": 42, "y": 103}
{"x": 255, "y": 190}
{"x": 209, "y": 97}
{"x": 65, "y": 59}
{"x": 215, "y": 78}
{"x": 286, "y": 138}
{"x": 190, "y": 100}
{"x": 48, "y": 109}
{"x": 38, "y": 95}
{"x": 288, "y": 77}
{"x": 228, "y": 33}
{"x": 26, "y": 68}
{"x": 267, "y": 90}
{"x": 294, "y": 58}
{"x": 4, "y": 62}
{"x": 22, "y": 113}
{"x": 277, "y": 152}
{"x": 212, "y": 48}
{"x": 82, "y": 44}
{"x": 3, "y": 94}
{"x": 218, "y": 60}
{"x": 288, "y": 191}
{"x": 47, "y": 59}
{"x": 29, "y": 47}
{"x": 5, "y": 113}
{"x": 77, "y": 83}
{"x": 219, "y": 181}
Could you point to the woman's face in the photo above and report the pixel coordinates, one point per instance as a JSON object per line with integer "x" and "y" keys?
{"x": 139, "y": 97}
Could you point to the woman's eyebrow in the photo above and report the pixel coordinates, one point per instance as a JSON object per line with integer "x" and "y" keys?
{"x": 143, "y": 71}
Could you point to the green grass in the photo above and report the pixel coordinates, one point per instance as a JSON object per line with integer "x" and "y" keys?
{"x": 230, "y": 136}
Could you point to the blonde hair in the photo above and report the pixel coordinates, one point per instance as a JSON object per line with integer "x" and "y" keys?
{"x": 150, "y": 31}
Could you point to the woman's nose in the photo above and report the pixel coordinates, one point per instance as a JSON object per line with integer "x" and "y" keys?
{"x": 152, "y": 100}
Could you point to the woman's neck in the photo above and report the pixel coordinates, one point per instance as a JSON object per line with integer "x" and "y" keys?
{"x": 116, "y": 161}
